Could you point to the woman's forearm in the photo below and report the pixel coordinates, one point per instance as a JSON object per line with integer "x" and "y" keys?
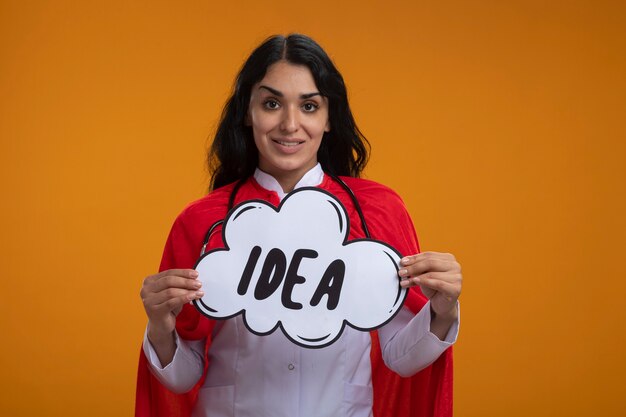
{"x": 163, "y": 343}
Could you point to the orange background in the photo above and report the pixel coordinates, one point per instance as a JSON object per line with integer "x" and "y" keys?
{"x": 501, "y": 123}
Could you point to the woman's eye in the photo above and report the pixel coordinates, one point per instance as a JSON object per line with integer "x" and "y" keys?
{"x": 271, "y": 104}
{"x": 310, "y": 107}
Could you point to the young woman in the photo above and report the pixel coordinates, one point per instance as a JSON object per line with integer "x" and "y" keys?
{"x": 287, "y": 125}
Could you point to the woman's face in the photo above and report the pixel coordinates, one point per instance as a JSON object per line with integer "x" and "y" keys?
{"x": 288, "y": 118}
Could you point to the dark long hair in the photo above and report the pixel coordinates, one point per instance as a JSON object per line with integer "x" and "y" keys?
{"x": 234, "y": 156}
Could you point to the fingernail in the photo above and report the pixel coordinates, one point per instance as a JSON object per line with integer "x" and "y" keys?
{"x": 197, "y": 284}
{"x": 404, "y": 284}
{"x": 403, "y": 272}
{"x": 404, "y": 261}
{"x": 194, "y": 274}
{"x": 200, "y": 294}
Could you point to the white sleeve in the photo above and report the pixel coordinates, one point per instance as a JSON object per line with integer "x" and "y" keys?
{"x": 186, "y": 368}
{"x": 407, "y": 343}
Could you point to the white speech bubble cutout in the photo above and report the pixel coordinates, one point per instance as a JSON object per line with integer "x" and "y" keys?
{"x": 292, "y": 267}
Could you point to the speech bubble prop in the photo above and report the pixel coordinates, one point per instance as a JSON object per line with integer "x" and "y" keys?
{"x": 292, "y": 267}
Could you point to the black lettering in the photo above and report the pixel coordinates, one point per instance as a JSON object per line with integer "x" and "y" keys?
{"x": 293, "y": 278}
{"x": 330, "y": 284}
{"x": 272, "y": 274}
{"x": 244, "y": 283}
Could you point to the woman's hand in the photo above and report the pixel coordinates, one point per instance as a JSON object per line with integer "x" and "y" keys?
{"x": 164, "y": 295}
{"x": 439, "y": 277}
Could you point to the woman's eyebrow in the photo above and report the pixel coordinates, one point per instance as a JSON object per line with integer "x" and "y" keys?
{"x": 309, "y": 95}
{"x": 279, "y": 94}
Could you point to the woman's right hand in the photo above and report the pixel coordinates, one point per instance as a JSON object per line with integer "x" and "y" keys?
{"x": 164, "y": 295}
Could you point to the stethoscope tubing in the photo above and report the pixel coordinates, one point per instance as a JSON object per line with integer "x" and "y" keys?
{"x": 233, "y": 195}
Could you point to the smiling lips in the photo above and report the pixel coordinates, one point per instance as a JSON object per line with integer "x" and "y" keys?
{"x": 288, "y": 144}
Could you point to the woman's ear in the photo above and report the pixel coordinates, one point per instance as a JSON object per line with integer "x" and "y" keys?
{"x": 327, "y": 127}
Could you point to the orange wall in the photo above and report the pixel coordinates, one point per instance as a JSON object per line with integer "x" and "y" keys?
{"x": 500, "y": 122}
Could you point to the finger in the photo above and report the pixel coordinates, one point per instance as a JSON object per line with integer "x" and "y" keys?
{"x": 447, "y": 276}
{"x": 451, "y": 289}
{"x": 411, "y": 259}
{"x": 171, "y": 281}
{"x": 429, "y": 264}
{"x": 175, "y": 304}
{"x": 185, "y": 273}
{"x": 156, "y": 299}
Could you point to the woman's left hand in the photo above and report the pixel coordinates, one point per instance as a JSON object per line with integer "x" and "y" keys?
{"x": 439, "y": 278}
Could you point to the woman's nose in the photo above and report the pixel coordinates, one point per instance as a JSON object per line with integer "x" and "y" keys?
{"x": 289, "y": 122}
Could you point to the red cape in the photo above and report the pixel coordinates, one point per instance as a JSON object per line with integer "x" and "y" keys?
{"x": 427, "y": 393}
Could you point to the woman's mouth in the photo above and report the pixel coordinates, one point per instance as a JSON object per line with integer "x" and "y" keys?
{"x": 288, "y": 143}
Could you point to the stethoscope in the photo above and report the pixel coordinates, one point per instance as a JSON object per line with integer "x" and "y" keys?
{"x": 233, "y": 195}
